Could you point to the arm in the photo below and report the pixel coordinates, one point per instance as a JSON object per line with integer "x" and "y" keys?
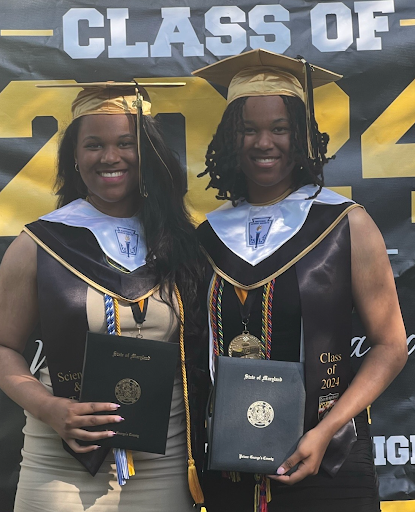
{"x": 376, "y": 300}
{"x": 18, "y": 317}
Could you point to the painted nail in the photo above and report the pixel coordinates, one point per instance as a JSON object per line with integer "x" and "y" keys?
{"x": 111, "y": 433}
{"x": 97, "y": 446}
{"x": 280, "y": 471}
{"x": 119, "y": 418}
{"x": 115, "y": 406}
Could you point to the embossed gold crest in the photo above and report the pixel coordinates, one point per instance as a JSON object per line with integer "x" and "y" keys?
{"x": 246, "y": 346}
{"x": 127, "y": 391}
{"x": 260, "y": 414}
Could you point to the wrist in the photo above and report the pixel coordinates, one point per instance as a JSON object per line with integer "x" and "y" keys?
{"x": 47, "y": 409}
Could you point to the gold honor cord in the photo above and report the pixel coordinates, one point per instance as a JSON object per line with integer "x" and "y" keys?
{"x": 194, "y": 485}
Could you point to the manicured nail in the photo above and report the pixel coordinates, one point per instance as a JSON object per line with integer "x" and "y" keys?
{"x": 97, "y": 446}
{"x": 280, "y": 471}
{"x": 115, "y": 406}
{"x": 111, "y": 433}
{"x": 119, "y": 418}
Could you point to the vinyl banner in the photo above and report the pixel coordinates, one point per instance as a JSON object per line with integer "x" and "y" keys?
{"x": 369, "y": 114}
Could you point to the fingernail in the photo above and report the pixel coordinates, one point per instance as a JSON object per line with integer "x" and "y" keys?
{"x": 119, "y": 418}
{"x": 111, "y": 433}
{"x": 97, "y": 446}
{"x": 280, "y": 471}
{"x": 115, "y": 406}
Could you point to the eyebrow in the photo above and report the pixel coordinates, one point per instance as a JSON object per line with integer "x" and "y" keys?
{"x": 247, "y": 121}
{"x": 95, "y": 137}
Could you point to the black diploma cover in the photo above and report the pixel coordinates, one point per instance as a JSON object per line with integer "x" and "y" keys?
{"x": 257, "y": 416}
{"x": 138, "y": 374}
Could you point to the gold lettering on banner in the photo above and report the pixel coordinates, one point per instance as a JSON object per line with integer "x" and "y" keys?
{"x": 380, "y": 148}
{"x": 333, "y": 115}
{"x": 29, "y": 194}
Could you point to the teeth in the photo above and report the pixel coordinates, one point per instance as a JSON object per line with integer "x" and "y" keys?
{"x": 113, "y": 174}
{"x": 265, "y": 160}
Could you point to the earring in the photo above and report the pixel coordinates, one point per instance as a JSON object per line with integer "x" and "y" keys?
{"x": 76, "y": 167}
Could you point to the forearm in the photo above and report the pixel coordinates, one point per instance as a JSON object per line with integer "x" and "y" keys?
{"x": 20, "y": 385}
{"x": 380, "y": 366}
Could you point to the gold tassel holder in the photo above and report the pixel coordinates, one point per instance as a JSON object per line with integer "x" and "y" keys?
{"x": 194, "y": 485}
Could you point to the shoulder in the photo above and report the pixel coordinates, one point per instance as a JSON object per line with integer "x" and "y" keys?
{"x": 20, "y": 260}
{"x": 364, "y": 233}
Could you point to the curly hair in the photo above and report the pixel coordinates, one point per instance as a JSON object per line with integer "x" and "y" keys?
{"x": 173, "y": 251}
{"x": 223, "y": 153}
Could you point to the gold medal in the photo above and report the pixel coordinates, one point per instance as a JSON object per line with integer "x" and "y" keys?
{"x": 246, "y": 346}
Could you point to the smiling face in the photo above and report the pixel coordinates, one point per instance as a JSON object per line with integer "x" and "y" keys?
{"x": 265, "y": 156}
{"x": 106, "y": 153}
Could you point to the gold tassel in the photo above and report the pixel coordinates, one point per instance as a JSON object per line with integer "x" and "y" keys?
{"x": 194, "y": 485}
{"x": 369, "y": 417}
{"x": 269, "y": 497}
{"x": 130, "y": 462}
{"x": 235, "y": 476}
{"x": 257, "y": 495}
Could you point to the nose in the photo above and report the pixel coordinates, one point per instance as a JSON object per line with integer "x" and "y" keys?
{"x": 110, "y": 155}
{"x": 263, "y": 140}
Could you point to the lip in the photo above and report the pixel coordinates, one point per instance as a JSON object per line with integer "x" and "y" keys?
{"x": 112, "y": 174}
{"x": 264, "y": 161}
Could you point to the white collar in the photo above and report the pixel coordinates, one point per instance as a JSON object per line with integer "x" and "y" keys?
{"x": 120, "y": 239}
{"x": 255, "y": 232}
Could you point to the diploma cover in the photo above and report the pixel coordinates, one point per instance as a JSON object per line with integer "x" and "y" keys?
{"x": 257, "y": 414}
{"x": 138, "y": 374}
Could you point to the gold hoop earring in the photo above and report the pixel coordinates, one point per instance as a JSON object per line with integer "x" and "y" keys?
{"x": 76, "y": 167}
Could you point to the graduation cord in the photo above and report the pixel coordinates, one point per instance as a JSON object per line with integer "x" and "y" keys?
{"x": 262, "y": 493}
{"x": 123, "y": 458}
{"x": 194, "y": 485}
{"x": 215, "y": 310}
{"x": 266, "y": 320}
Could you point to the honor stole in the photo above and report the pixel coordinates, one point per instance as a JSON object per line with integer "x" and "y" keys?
{"x": 321, "y": 254}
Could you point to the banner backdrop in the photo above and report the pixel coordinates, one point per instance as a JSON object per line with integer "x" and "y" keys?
{"x": 369, "y": 114}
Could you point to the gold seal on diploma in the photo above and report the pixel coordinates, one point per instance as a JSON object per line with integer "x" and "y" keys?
{"x": 246, "y": 346}
{"x": 127, "y": 391}
{"x": 260, "y": 414}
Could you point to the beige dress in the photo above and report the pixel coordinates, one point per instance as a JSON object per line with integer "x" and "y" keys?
{"x": 51, "y": 480}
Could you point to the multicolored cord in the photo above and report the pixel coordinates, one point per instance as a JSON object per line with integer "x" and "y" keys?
{"x": 123, "y": 458}
{"x": 262, "y": 495}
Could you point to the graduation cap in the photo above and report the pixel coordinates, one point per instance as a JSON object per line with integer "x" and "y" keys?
{"x": 119, "y": 98}
{"x": 264, "y": 73}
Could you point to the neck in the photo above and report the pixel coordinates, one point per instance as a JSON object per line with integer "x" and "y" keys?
{"x": 124, "y": 210}
{"x": 258, "y": 195}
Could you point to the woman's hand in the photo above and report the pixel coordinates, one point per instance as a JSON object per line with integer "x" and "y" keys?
{"x": 70, "y": 419}
{"x": 308, "y": 456}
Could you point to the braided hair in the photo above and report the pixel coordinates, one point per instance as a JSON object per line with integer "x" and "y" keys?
{"x": 223, "y": 153}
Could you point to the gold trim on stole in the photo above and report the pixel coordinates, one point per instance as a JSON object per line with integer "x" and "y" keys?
{"x": 287, "y": 265}
{"x": 81, "y": 276}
